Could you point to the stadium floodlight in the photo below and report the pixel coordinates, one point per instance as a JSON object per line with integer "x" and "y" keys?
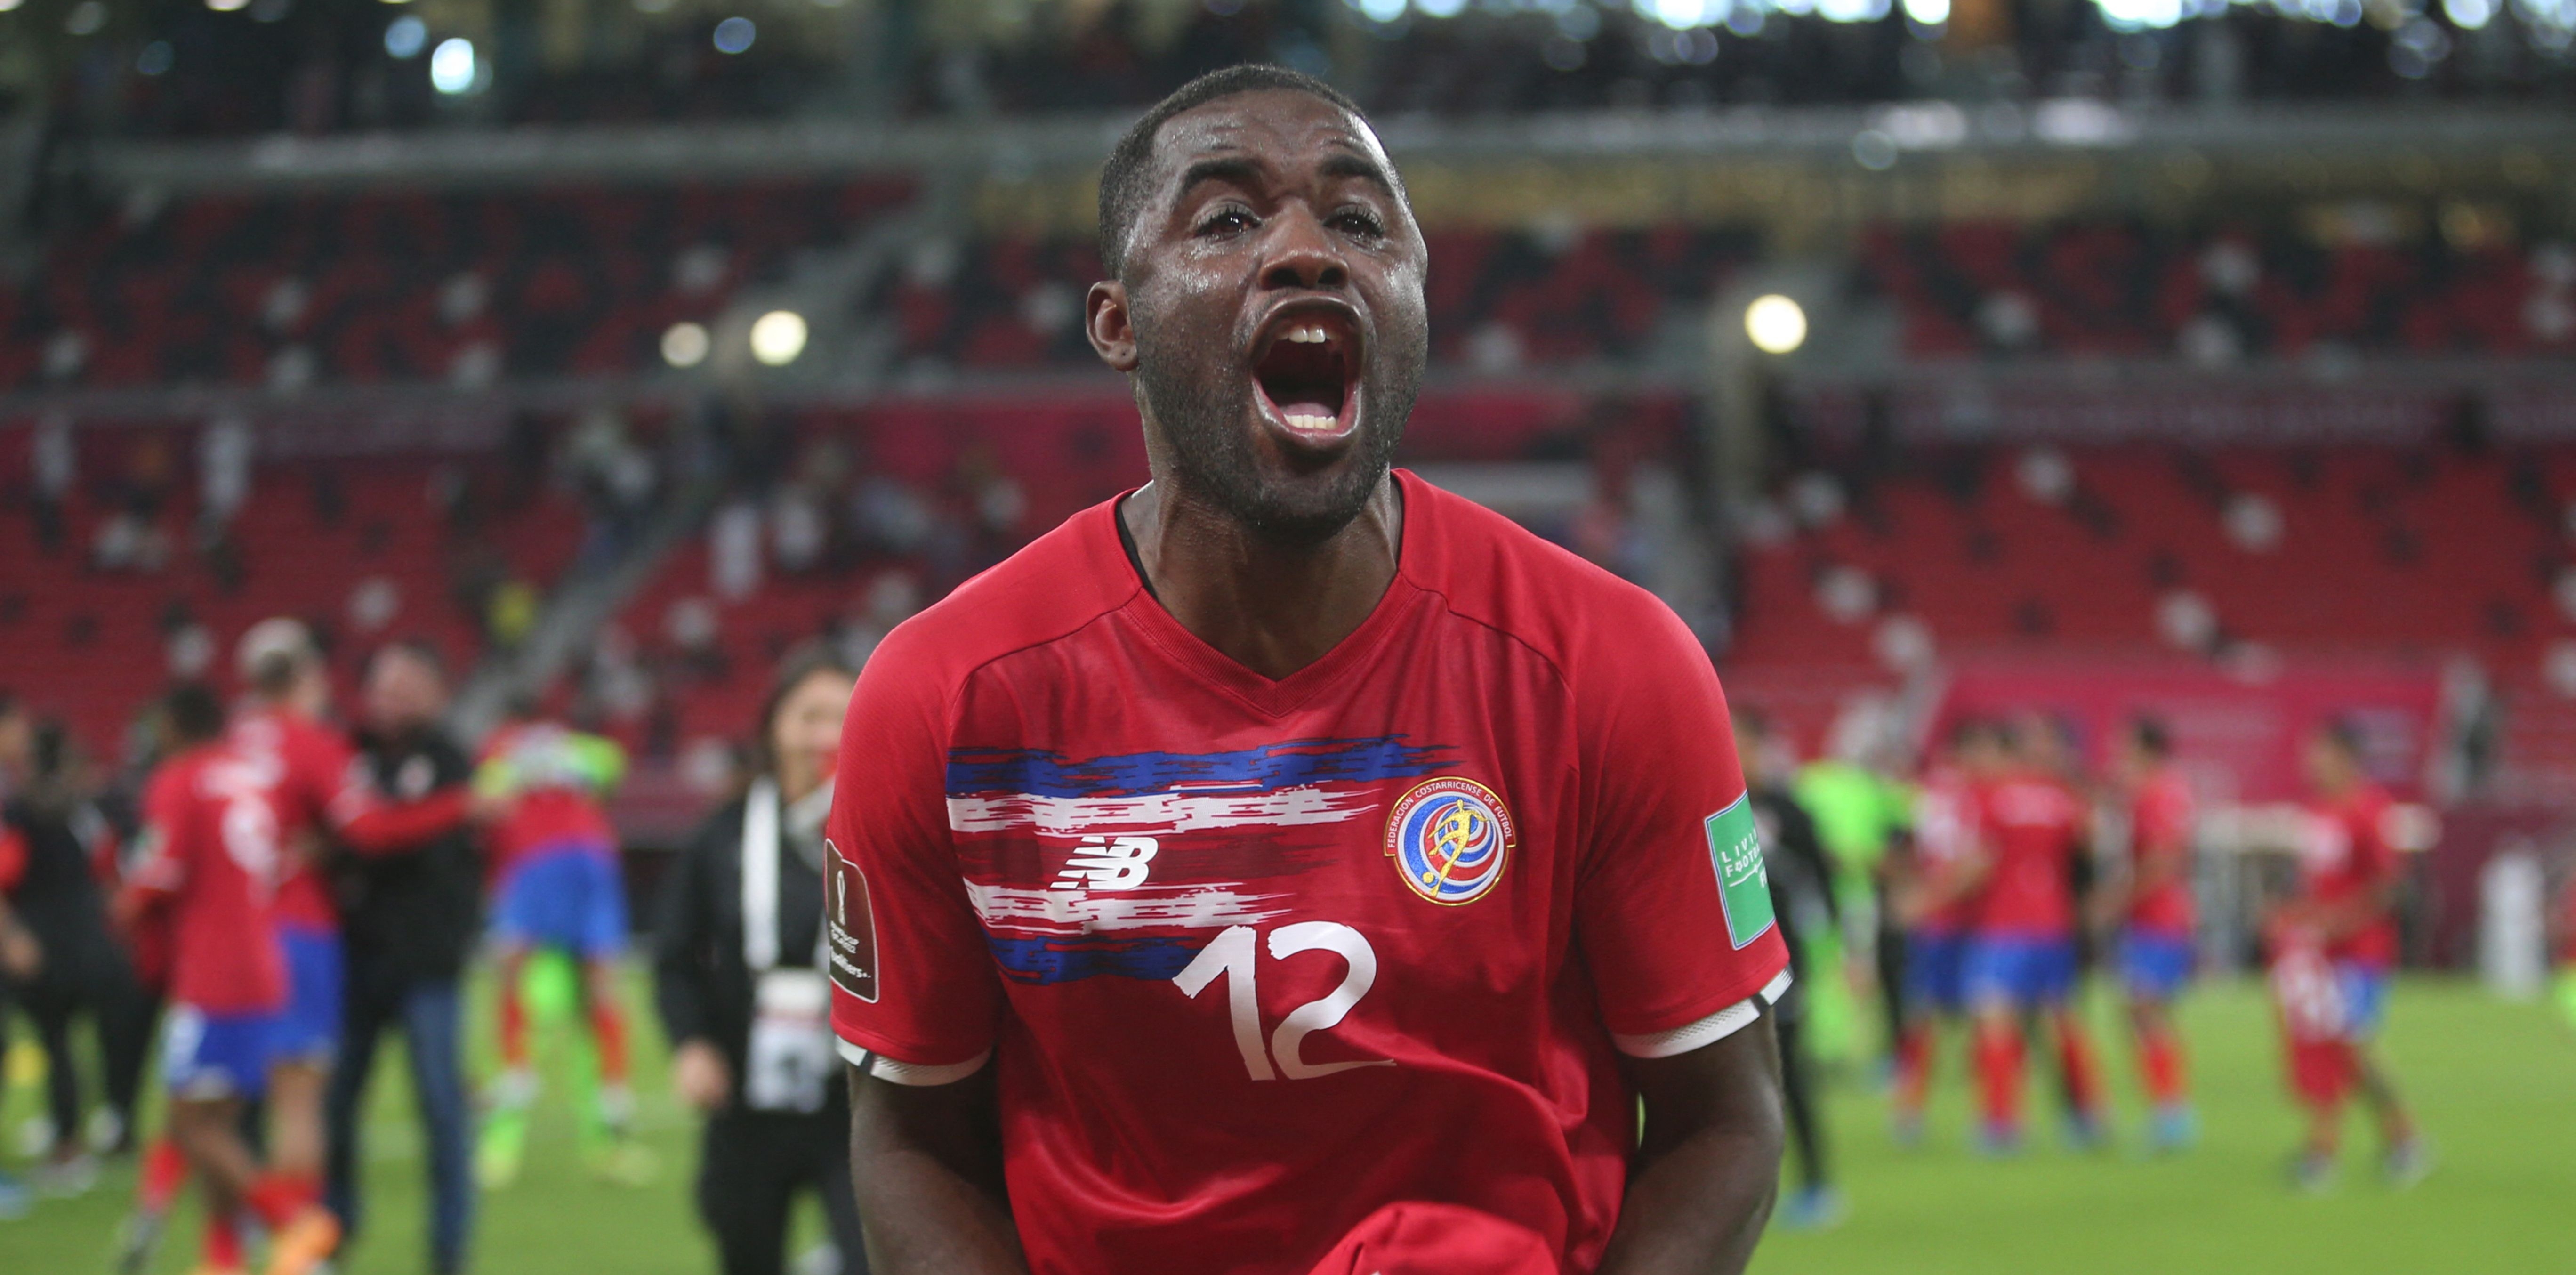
{"x": 405, "y": 37}
{"x": 778, "y": 337}
{"x": 685, "y": 345}
{"x": 7, "y": 5}
{"x": 1440, "y": 8}
{"x": 451, "y": 65}
{"x": 1928, "y": 13}
{"x": 227, "y": 6}
{"x": 2470, "y": 15}
{"x": 1777, "y": 324}
{"x": 734, "y": 35}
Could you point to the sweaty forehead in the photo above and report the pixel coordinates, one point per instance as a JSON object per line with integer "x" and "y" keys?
{"x": 1279, "y": 128}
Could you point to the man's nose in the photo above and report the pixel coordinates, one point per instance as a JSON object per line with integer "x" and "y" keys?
{"x": 1302, "y": 253}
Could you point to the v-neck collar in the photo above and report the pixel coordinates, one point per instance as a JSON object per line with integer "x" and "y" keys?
{"x": 1279, "y": 697}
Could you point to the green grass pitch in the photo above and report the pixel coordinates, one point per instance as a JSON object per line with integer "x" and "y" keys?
{"x": 2494, "y": 1082}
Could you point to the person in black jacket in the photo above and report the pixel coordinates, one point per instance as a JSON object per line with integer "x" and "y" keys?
{"x": 1802, "y": 898}
{"x": 77, "y": 967}
{"x": 410, "y": 918}
{"x": 742, "y": 994}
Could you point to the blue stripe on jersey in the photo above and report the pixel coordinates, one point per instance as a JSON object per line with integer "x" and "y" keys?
{"x": 1064, "y": 958}
{"x": 1297, "y": 763}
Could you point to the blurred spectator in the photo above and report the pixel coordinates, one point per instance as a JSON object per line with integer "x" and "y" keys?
{"x": 224, "y": 451}
{"x": 56, "y": 462}
{"x": 733, "y": 551}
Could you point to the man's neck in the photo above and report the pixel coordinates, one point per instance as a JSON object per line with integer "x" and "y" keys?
{"x": 1273, "y": 609}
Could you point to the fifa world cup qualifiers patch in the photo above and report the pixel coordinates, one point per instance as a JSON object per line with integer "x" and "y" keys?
{"x": 1743, "y": 887}
{"x": 849, "y": 926}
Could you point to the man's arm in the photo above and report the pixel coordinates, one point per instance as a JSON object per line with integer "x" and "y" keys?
{"x": 926, "y": 1161}
{"x": 1701, "y": 1185}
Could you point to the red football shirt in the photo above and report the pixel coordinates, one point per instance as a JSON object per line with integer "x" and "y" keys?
{"x": 2344, "y": 854}
{"x": 554, "y": 809}
{"x": 2160, "y": 817}
{"x": 1945, "y": 843}
{"x": 212, "y": 847}
{"x": 1257, "y": 958}
{"x": 2032, "y": 828}
{"x": 319, "y": 786}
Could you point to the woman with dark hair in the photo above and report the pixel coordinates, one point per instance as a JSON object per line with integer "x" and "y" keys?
{"x": 741, "y": 987}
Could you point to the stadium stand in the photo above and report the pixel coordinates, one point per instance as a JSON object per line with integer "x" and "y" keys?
{"x": 467, "y": 288}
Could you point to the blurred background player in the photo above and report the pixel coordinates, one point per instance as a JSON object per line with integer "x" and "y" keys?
{"x": 2346, "y": 905}
{"x": 557, "y": 889}
{"x": 214, "y": 858}
{"x": 2020, "y": 969}
{"x": 1932, "y": 900}
{"x": 1802, "y": 899}
{"x": 411, "y": 919}
{"x": 2151, "y": 908}
{"x": 72, "y": 968}
{"x": 738, "y": 975}
{"x": 1861, "y": 812}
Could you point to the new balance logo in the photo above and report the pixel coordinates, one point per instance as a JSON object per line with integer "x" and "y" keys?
{"x": 1108, "y": 863}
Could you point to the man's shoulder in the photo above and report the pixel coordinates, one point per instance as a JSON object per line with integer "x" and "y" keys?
{"x": 1497, "y": 573}
{"x": 1052, "y": 588}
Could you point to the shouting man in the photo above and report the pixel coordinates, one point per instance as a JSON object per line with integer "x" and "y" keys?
{"x": 1289, "y": 866}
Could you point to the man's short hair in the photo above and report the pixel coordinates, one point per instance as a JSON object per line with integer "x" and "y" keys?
{"x": 1123, "y": 178}
{"x": 273, "y": 653}
{"x": 2152, "y": 737}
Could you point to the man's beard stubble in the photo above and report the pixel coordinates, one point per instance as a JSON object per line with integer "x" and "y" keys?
{"x": 1207, "y": 414}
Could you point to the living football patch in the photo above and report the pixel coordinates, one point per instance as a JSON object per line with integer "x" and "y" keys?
{"x": 1743, "y": 887}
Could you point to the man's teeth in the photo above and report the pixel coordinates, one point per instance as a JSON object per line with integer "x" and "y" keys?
{"x": 1309, "y": 334}
{"x": 1313, "y": 424}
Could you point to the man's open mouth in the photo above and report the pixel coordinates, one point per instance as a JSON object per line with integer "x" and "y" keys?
{"x": 1307, "y": 372}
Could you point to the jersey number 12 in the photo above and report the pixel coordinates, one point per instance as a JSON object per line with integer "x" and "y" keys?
{"x": 1235, "y": 953}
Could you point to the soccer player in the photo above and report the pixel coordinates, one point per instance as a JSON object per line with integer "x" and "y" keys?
{"x": 2019, "y": 971}
{"x": 1802, "y": 900}
{"x": 2346, "y": 907}
{"x": 1289, "y": 840}
{"x": 556, "y": 885}
{"x": 2152, "y": 906}
{"x": 213, "y": 859}
{"x": 324, "y": 798}
{"x": 1935, "y": 886}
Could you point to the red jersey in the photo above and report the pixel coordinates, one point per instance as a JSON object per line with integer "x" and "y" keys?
{"x": 319, "y": 787}
{"x": 2160, "y": 822}
{"x": 212, "y": 848}
{"x": 2345, "y": 854}
{"x": 2033, "y": 828}
{"x": 1945, "y": 843}
{"x": 1256, "y": 958}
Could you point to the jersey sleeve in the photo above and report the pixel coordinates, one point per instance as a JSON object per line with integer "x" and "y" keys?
{"x": 915, "y": 997}
{"x": 1672, "y": 907}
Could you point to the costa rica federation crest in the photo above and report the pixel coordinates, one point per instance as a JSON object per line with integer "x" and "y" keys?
{"x": 1450, "y": 838}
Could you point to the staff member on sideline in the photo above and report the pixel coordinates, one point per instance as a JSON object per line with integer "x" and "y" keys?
{"x": 741, "y": 990}
{"x": 410, "y": 917}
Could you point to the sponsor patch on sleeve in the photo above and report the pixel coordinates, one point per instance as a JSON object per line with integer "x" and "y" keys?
{"x": 1743, "y": 887}
{"x": 849, "y": 926}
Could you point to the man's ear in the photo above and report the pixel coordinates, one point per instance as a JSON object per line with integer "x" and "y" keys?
{"x": 1107, "y": 322}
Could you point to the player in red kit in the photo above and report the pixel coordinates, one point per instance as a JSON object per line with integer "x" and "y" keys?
{"x": 213, "y": 860}
{"x": 2345, "y": 912}
{"x": 1940, "y": 874}
{"x": 323, "y": 799}
{"x": 1274, "y": 853}
{"x": 2019, "y": 971}
{"x": 2153, "y": 912}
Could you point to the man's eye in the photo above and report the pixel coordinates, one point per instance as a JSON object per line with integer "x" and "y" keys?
{"x": 1359, "y": 222}
{"x": 1226, "y": 221}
